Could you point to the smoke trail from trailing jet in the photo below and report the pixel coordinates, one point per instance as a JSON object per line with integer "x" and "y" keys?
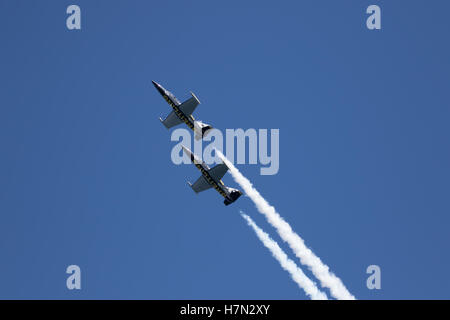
{"x": 306, "y": 256}
{"x": 287, "y": 264}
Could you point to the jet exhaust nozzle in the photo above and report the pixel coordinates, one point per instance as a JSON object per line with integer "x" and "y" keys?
{"x": 234, "y": 195}
{"x": 201, "y": 129}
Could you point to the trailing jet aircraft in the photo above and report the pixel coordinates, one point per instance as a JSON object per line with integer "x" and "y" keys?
{"x": 182, "y": 112}
{"x": 212, "y": 178}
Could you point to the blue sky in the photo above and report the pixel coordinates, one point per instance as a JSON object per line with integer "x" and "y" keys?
{"x": 85, "y": 170}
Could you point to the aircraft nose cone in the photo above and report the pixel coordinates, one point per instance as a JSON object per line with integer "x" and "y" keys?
{"x": 159, "y": 87}
{"x": 186, "y": 149}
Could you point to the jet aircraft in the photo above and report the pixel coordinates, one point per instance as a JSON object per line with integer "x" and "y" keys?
{"x": 212, "y": 178}
{"x": 182, "y": 112}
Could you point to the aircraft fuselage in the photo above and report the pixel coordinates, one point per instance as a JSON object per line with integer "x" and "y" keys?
{"x": 174, "y": 103}
{"x": 218, "y": 186}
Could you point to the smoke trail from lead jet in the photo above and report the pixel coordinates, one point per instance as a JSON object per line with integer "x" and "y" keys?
{"x": 287, "y": 264}
{"x": 306, "y": 256}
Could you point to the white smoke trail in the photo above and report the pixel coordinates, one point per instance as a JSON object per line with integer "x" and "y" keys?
{"x": 306, "y": 256}
{"x": 287, "y": 264}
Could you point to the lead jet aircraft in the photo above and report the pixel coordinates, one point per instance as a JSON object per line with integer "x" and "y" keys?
{"x": 211, "y": 178}
{"x": 182, "y": 112}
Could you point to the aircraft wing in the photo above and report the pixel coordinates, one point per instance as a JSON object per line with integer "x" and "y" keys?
{"x": 218, "y": 171}
{"x": 171, "y": 120}
{"x": 201, "y": 185}
{"x": 189, "y": 105}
